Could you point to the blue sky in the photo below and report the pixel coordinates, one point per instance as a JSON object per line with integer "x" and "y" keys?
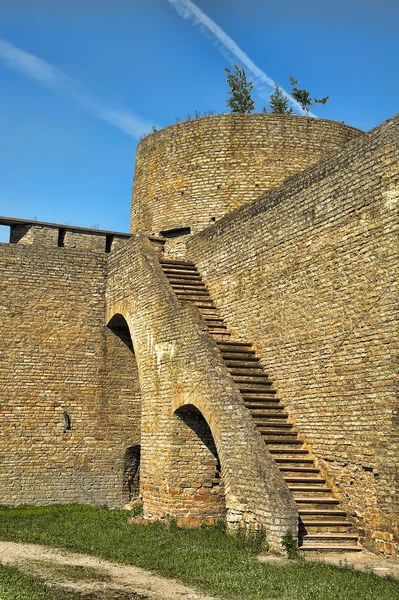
{"x": 81, "y": 79}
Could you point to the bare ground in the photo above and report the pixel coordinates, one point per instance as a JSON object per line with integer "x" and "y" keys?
{"x": 93, "y": 577}
{"x": 362, "y": 561}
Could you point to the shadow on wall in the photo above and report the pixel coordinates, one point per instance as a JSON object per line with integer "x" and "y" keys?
{"x": 120, "y": 328}
{"x": 197, "y": 469}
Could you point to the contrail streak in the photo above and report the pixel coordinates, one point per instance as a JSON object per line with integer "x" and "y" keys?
{"x": 31, "y": 66}
{"x": 190, "y": 11}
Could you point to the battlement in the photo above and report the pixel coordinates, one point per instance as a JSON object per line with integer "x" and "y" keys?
{"x": 41, "y": 233}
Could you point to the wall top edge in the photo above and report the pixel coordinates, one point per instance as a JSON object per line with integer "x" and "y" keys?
{"x": 12, "y": 222}
{"x": 174, "y": 127}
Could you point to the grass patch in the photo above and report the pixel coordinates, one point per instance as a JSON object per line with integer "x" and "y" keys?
{"x": 16, "y": 586}
{"x": 206, "y": 558}
{"x": 57, "y": 572}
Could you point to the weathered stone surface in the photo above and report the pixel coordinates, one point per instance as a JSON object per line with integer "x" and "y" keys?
{"x": 193, "y": 173}
{"x": 56, "y": 355}
{"x": 106, "y": 377}
{"x": 308, "y": 274}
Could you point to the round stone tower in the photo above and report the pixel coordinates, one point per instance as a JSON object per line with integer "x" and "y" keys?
{"x": 191, "y": 174}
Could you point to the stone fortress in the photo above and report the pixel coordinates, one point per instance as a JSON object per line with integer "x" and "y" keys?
{"x": 235, "y": 355}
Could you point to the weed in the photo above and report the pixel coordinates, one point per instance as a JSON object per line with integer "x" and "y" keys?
{"x": 290, "y": 545}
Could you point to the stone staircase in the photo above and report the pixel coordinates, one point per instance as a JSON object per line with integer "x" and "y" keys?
{"x": 322, "y": 522}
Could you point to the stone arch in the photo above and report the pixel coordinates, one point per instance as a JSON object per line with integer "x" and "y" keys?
{"x": 198, "y": 492}
{"x": 119, "y": 326}
{"x": 123, "y": 402}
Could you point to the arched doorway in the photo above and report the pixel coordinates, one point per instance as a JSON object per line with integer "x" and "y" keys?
{"x": 131, "y": 473}
{"x": 196, "y": 468}
{"x": 123, "y": 400}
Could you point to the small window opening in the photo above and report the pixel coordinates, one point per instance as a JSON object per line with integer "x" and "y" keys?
{"x": 212, "y": 219}
{"x": 131, "y": 472}
{"x": 4, "y": 234}
{"x": 61, "y": 237}
{"x": 173, "y": 233}
{"x": 108, "y": 243}
{"x": 67, "y": 422}
{"x": 182, "y": 192}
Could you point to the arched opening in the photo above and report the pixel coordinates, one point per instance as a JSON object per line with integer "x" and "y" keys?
{"x": 122, "y": 408}
{"x": 131, "y": 473}
{"x": 196, "y": 469}
{"x": 120, "y": 328}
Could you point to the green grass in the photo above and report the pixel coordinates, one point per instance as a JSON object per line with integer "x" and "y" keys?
{"x": 16, "y": 586}
{"x": 206, "y": 558}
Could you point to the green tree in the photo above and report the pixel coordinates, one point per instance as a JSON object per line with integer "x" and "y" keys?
{"x": 304, "y": 97}
{"x": 279, "y": 102}
{"x": 240, "y": 100}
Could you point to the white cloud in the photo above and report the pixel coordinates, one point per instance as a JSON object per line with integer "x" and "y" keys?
{"x": 225, "y": 44}
{"x": 48, "y": 75}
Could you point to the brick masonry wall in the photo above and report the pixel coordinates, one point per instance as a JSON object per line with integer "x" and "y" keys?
{"x": 193, "y": 172}
{"x": 180, "y": 369}
{"x": 57, "y": 355}
{"x": 65, "y": 236}
{"x": 308, "y": 273}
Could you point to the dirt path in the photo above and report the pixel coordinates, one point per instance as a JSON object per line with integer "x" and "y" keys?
{"x": 92, "y": 576}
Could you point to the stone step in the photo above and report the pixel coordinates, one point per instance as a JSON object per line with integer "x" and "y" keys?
{"x": 280, "y": 442}
{"x": 307, "y": 461}
{"x": 190, "y": 289}
{"x": 184, "y": 278}
{"x": 329, "y": 548}
{"x": 293, "y": 451}
{"x": 277, "y": 426}
{"x": 186, "y": 284}
{"x": 252, "y": 380}
{"x": 323, "y": 526}
{"x": 317, "y": 501}
{"x": 343, "y": 538}
{"x": 208, "y": 312}
{"x": 240, "y": 356}
{"x": 190, "y": 297}
{"x": 215, "y": 329}
{"x": 257, "y": 389}
{"x": 266, "y": 396}
{"x": 295, "y": 470}
{"x": 192, "y": 293}
{"x": 260, "y": 419}
{"x": 314, "y": 489}
{"x": 171, "y": 261}
{"x": 255, "y": 407}
{"x": 180, "y": 272}
{"x": 317, "y": 512}
{"x": 250, "y": 372}
{"x": 233, "y": 343}
{"x": 304, "y": 480}
{"x": 212, "y": 319}
{"x": 220, "y": 335}
{"x": 198, "y": 304}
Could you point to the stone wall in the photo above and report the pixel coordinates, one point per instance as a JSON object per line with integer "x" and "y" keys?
{"x": 192, "y": 412}
{"x": 63, "y": 236}
{"x": 193, "y": 173}
{"x": 60, "y": 367}
{"x": 308, "y": 274}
